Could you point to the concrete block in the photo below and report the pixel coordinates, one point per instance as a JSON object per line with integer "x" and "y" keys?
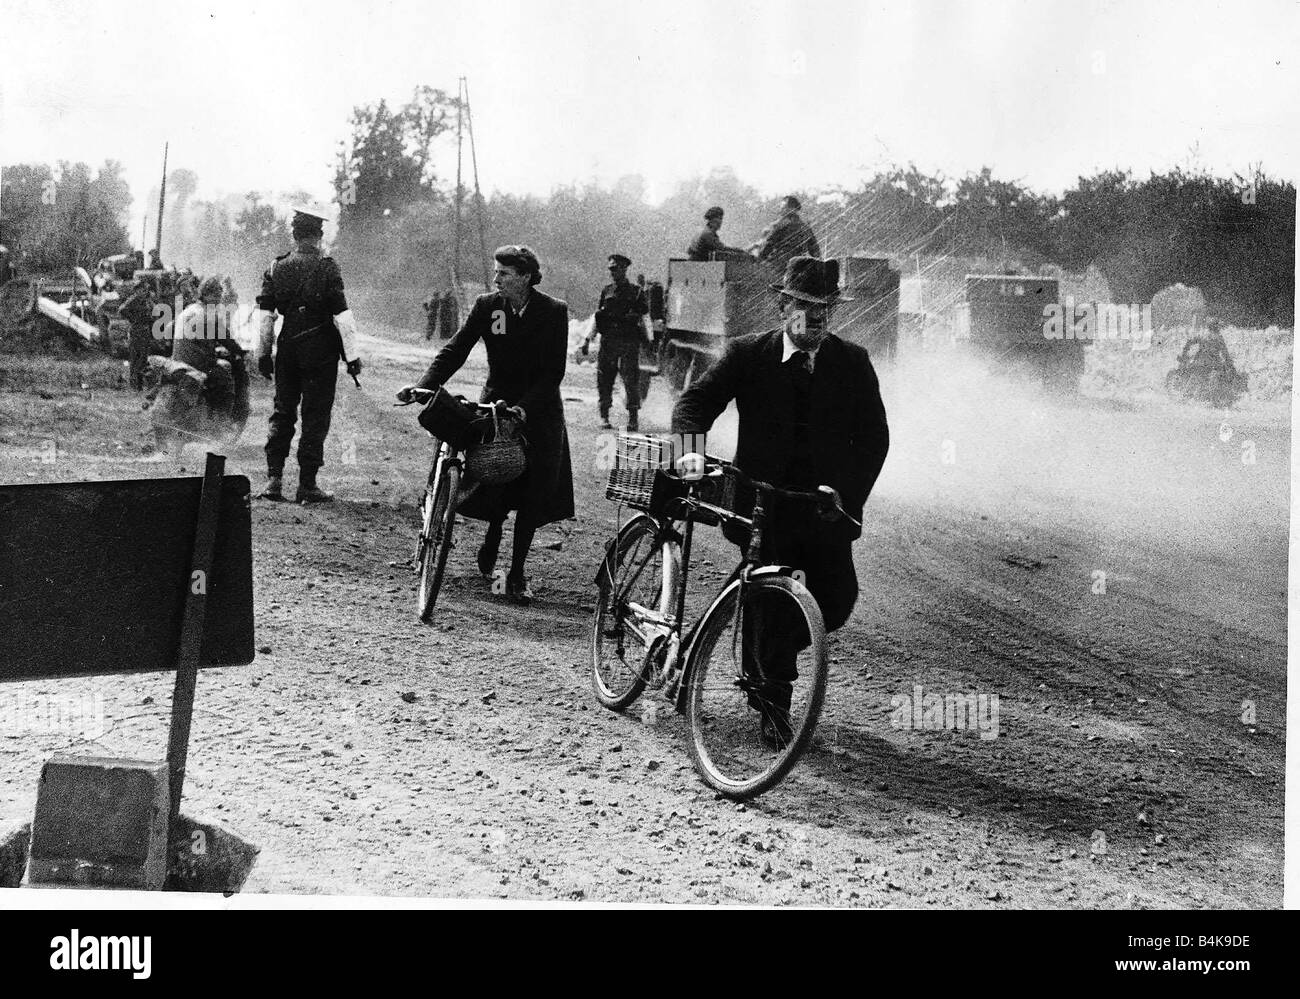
{"x": 14, "y": 840}
{"x": 100, "y": 822}
{"x": 208, "y": 857}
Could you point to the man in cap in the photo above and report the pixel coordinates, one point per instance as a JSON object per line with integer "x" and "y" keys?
{"x": 788, "y": 237}
{"x": 810, "y": 415}
{"x": 306, "y": 288}
{"x": 620, "y": 321}
{"x": 708, "y": 242}
{"x": 138, "y": 310}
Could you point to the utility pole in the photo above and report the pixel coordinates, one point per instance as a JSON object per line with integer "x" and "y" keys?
{"x": 460, "y": 118}
{"x": 478, "y": 193}
{"x": 162, "y": 200}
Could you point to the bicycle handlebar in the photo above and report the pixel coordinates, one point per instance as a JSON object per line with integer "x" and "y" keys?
{"x": 825, "y": 497}
{"x": 424, "y": 395}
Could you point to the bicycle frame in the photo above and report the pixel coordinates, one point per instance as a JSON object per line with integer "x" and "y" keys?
{"x": 687, "y": 510}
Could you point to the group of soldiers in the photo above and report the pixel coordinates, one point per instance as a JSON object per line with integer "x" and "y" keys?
{"x": 442, "y": 315}
{"x": 631, "y": 314}
{"x": 177, "y": 291}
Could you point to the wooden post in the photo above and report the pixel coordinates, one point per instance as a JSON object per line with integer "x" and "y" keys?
{"x": 191, "y": 645}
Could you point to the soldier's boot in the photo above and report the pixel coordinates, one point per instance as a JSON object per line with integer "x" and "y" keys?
{"x": 604, "y": 420}
{"x": 308, "y": 491}
{"x": 274, "y": 486}
{"x": 632, "y": 421}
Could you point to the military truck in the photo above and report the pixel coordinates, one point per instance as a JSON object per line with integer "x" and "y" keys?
{"x": 711, "y": 302}
{"x": 1008, "y": 330}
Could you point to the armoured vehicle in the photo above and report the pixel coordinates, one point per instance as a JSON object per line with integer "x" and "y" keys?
{"x": 1007, "y": 324}
{"x": 707, "y": 303}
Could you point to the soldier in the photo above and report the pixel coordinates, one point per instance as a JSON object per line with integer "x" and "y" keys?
{"x": 620, "y": 321}
{"x": 433, "y": 309}
{"x": 708, "y": 242}
{"x": 138, "y": 311}
{"x": 788, "y": 237}
{"x": 307, "y": 290}
{"x": 449, "y": 318}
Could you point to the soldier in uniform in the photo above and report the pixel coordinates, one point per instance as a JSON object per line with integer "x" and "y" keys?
{"x": 138, "y": 311}
{"x": 307, "y": 290}
{"x": 708, "y": 242}
{"x": 620, "y": 321}
{"x": 788, "y": 237}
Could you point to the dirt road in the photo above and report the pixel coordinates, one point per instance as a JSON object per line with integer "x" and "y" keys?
{"x": 1115, "y": 577}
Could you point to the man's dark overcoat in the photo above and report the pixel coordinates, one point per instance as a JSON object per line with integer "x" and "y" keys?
{"x": 846, "y": 441}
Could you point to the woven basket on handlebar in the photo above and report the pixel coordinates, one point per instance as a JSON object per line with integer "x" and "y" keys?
{"x": 640, "y": 479}
{"x": 500, "y": 459}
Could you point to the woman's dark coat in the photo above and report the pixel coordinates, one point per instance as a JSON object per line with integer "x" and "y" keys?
{"x": 526, "y": 359}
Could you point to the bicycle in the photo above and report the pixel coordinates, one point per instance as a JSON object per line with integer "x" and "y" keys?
{"x": 716, "y": 676}
{"x": 438, "y": 505}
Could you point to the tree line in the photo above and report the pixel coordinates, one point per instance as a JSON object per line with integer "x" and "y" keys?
{"x": 396, "y": 240}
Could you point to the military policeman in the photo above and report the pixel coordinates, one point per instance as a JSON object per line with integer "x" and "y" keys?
{"x": 305, "y": 288}
{"x": 620, "y": 321}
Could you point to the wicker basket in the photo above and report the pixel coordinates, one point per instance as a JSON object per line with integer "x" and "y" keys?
{"x": 498, "y": 460}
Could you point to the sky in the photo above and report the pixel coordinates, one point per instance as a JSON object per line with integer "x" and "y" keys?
{"x": 792, "y": 95}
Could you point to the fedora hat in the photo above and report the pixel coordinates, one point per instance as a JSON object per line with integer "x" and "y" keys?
{"x": 811, "y": 280}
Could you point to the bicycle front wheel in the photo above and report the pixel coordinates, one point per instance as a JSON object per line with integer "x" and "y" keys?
{"x": 637, "y": 599}
{"x": 435, "y": 537}
{"x": 757, "y": 675}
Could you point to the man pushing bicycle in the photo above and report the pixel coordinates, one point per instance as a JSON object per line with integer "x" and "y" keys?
{"x": 810, "y": 415}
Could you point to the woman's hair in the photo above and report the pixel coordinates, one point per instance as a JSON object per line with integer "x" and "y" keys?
{"x": 522, "y": 259}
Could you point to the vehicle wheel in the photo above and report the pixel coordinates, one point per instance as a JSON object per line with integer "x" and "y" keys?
{"x": 727, "y": 701}
{"x": 644, "y": 576}
{"x": 435, "y": 537}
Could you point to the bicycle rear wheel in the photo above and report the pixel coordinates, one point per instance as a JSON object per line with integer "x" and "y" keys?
{"x": 435, "y": 537}
{"x": 757, "y": 681}
{"x": 640, "y": 594}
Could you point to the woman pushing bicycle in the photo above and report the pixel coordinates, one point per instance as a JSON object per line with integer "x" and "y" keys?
{"x": 526, "y": 334}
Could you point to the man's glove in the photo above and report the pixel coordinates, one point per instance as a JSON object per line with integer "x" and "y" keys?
{"x": 586, "y": 348}
{"x": 354, "y": 367}
{"x": 266, "y": 365}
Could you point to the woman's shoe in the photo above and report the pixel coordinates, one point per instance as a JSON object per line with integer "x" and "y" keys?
{"x": 517, "y": 591}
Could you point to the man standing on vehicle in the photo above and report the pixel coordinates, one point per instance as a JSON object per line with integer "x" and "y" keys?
{"x": 307, "y": 290}
{"x": 810, "y": 415}
{"x": 788, "y": 237}
{"x": 620, "y": 321}
{"x": 708, "y": 242}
